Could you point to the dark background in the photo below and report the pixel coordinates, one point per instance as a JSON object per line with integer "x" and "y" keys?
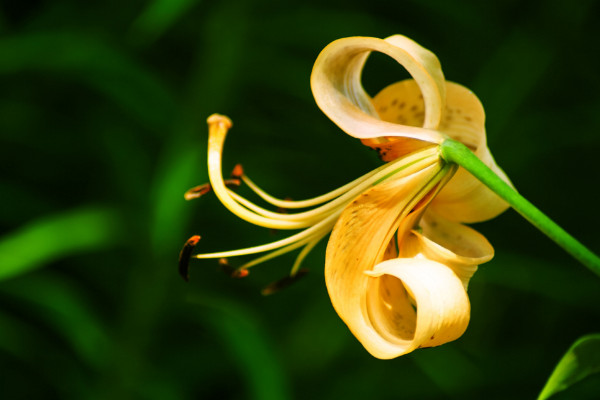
{"x": 102, "y": 129}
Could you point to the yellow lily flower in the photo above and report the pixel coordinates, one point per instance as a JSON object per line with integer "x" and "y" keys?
{"x": 399, "y": 259}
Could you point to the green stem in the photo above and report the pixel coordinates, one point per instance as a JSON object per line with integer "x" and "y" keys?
{"x": 456, "y": 152}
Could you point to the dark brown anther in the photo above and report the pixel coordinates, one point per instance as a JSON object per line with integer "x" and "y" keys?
{"x": 283, "y": 282}
{"x": 237, "y": 172}
{"x": 185, "y": 255}
{"x": 232, "y": 272}
{"x": 201, "y": 190}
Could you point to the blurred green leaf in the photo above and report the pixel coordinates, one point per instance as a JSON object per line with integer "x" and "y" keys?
{"x": 28, "y": 354}
{"x": 248, "y": 345}
{"x": 85, "y": 58}
{"x": 579, "y": 362}
{"x": 511, "y": 75}
{"x": 543, "y": 278}
{"x": 50, "y": 238}
{"x": 66, "y": 308}
{"x": 170, "y": 209}
{"x": 451, "y": 370}
{"x": 158, "y": 16}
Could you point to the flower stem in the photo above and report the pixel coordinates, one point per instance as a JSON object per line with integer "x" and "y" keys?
{"x": 458, "y": 153}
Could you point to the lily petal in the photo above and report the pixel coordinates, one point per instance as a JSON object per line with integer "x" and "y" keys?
{"x": 337, "y": 88}
{"x": 412, "y": 303}
{"x": 400, "y": 103}
{"x": 459, "y": 247}
{"x": 464, "y": 198}
{"x": 359, "y": 241}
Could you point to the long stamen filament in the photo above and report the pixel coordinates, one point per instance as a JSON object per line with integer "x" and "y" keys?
{"x": 308, "y": 218}
{"x": 291, "y": 204}
{"x": 303, "y": 253}
{"x": 324, "y": 225}
{"x": 274, "y": 254}
{"x": 317, "y": 221}
{"x": 218, "y": 128}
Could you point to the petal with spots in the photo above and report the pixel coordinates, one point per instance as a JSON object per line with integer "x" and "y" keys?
{"x": 413, "y": 303}
{"x": 359, "y": 241}
{"x": 464, "y": 198}
{"x": 459, "y": 247}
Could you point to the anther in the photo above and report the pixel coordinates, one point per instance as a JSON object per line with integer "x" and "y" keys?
{"x": 232, "y": 272}
{"x": 197, "y": 191}
{"x": 201, "y": 190}
{"x": 184, "y": 257}
{"x": 237, "y": 172}
{"x": 283, "y": 282}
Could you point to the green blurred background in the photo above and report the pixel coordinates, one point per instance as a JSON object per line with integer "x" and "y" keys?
{"x": 102, "y": 129}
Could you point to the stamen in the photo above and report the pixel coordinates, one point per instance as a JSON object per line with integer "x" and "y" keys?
{"x": 405, "y": 166}
{"x": 320, "y": 228}
{"x": 218, "y": 126}
{"x": 337, "y": 192}
{"x": 288, "y": 204}
{"x": 302, "y": 255}
{"x": 229, "y": 270}
{"x": 238, "y": 171}
{"x": 185, "y": 255}
{"x": 283, "y": 283}
{"x": 201, "y": 190}
{"x": 277, "y": 253}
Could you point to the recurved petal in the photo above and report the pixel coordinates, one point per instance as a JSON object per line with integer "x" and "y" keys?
{"x": 359, "y": 241}
{"x": 464, "y": 198}
{"x": 412, "y": 303}
{"x": 337, "y": 88}
{"x": 458, "y": 246}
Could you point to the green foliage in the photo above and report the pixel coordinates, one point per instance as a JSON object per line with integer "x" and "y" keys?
{"x": 102, "y": 130}
{"x": 579, "y": 362}
{"x": 48, "y": 239}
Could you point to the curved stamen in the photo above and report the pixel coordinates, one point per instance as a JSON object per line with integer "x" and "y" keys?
{"x": 277, "y": 253}
{"x": 323, "y": 226}
{"x": 218, "y": 128}
{"x": 309, "y": 202}
{"x": 303, "y": 253}
{"x": 407, "y": 166}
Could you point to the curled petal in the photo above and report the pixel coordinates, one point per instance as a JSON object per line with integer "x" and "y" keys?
{"x": 360, "y": 239}
{"x": 411, "y": 303}
{"x": 337, "y": 88}
{"x": 459, "y": 247}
